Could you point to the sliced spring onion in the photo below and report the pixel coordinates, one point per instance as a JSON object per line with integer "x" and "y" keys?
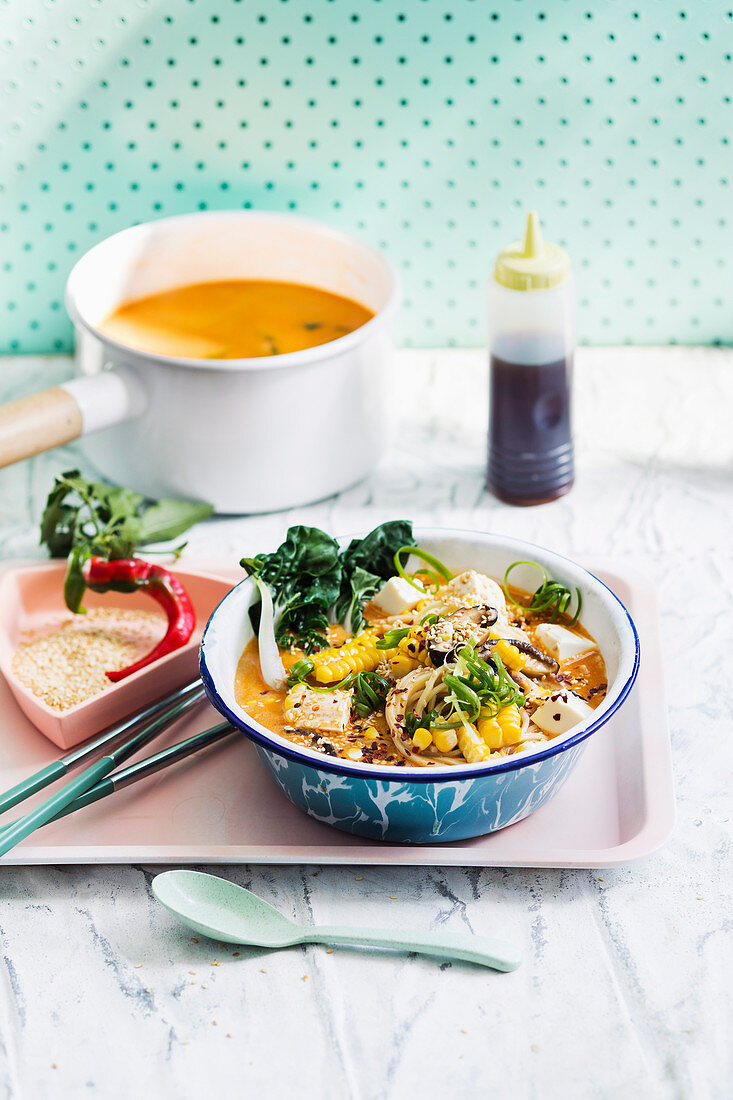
{"x": 440, "y": 569}
{"x": 299, "y": 675}
{"x": 464, "y": 698}
{"x": 299, "y": 671}
{"x": 430, "y": 575}
{"x": 393, "y": 638}
{"x": 415, "y": 721}
{"x": 551, "y": 595}
{"x": 477, "y": 689}
{"x": 370, "y": 693}
{"x": 491, "y": 683}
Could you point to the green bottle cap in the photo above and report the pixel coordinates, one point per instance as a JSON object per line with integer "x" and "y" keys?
{"x": 532, "y": 264}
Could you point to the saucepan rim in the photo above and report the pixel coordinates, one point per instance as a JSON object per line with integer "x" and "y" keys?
{"x": 263, "y": 364}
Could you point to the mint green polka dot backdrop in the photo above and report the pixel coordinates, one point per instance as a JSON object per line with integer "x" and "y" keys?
{"x": 425, "y": 126}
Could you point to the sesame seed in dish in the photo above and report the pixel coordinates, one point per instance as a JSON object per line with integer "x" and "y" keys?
{"x": 67, "y": 664}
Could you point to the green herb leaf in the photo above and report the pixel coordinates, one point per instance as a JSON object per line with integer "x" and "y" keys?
{"x": 356, "y": 589}
{"x": 376, "y": 551}
{"x": 84, "y": 518}
{"x": 74, "y": 583}
{"x": 168, "y": 519}
{"x": 59, "y": 517}
{"x": 312, "y": 583}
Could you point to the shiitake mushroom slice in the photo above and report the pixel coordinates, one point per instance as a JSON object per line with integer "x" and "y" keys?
{"x": 452, "y": 631}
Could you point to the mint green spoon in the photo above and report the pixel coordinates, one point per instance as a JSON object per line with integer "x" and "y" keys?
{"x": 226, "y": 912}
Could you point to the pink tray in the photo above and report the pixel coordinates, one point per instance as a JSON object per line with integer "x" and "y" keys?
{"x": 221, "y": 807}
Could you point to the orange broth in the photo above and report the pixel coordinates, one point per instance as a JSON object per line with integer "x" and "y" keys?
{"x": 236, "y": 319}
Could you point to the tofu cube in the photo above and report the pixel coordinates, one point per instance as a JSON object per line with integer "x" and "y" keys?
{"x": 397, "y": 595}
{"x": 316, "y": 710}
{"x": 562, "y": 711}
{"x": 562, "y": 643}
{"x": 476, "y": 588}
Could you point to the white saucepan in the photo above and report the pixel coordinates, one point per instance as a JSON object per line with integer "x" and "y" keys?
{"x": 248, "y": 435}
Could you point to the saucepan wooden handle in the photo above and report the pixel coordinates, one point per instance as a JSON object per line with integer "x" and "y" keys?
{"x": 37, "y": 423}
{"x": 53, "y": 417}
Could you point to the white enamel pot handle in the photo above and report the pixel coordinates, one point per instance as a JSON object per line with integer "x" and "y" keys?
{"x": 55, "y": 416}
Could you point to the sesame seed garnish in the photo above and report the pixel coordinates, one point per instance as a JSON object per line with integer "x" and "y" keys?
{"x": 67, "y": 664}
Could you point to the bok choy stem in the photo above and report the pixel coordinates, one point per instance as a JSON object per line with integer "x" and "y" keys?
{"x": 273, "y": 670}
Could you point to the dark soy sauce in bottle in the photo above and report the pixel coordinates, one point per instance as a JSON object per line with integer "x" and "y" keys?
{"x": 531, "y": 362}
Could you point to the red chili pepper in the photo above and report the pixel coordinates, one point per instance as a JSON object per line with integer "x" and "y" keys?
{"x": 133, "y": 575}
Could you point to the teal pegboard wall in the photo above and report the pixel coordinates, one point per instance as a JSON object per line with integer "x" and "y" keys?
{"x": 427, "y": 126}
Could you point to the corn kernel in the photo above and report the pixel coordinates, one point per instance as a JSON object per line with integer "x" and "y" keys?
{"x": 401, "y": 665}
{"x": 422, "y": 738}
{"x": 445, "y": 740}
{"x": 509, "y": 654}
{"x": 471, "y": 745}
{"x": 491, "y": 732}
{"x": 370, "y": 733}
{"x": 510, "y": 721}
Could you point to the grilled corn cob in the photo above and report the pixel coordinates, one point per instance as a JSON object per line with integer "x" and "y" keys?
{"x": 358, "y": 654}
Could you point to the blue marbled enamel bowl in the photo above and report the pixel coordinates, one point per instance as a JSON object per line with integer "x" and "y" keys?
{"x": 430, "y": 805}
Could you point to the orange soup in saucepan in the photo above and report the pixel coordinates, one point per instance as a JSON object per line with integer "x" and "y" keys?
{"x": 237, "y": 319}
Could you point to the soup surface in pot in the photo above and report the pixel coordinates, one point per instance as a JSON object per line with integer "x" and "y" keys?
{"x": 237, "y": 319}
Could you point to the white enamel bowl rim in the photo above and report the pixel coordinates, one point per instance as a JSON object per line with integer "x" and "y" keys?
{"x": 267, "y": 363}
{"x": 628, "y": 667}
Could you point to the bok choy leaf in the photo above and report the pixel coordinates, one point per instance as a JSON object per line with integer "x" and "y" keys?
{"x": 303, "y": 576}
{"x": 307, "y": 583}
{"x": 367, "y": 564}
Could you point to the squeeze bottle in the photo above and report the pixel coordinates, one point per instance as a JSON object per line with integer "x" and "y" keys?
{"x": 531, "y": 344}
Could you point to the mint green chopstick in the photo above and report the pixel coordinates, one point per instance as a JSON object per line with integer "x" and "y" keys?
{"x": 151, "y": 764}
{"x": 125, "y": 777}
{"x": 61, "y": 767}
{"x": 92, "y": 775}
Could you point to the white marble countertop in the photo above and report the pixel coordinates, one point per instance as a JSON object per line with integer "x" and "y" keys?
{"x": 625, "y": 990}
